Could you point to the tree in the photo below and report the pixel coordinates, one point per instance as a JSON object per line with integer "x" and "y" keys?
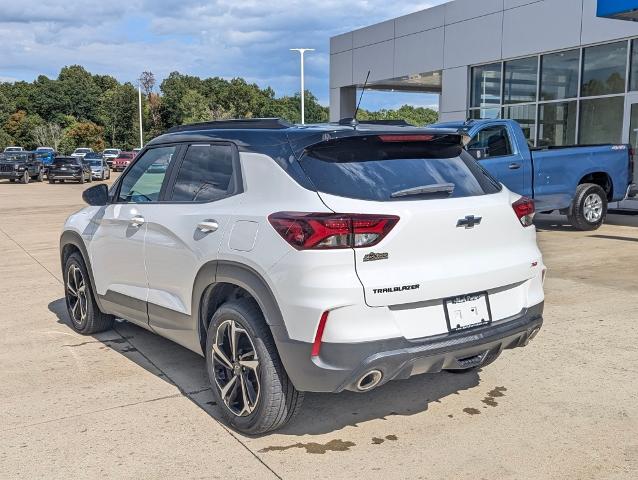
{"x": 79, "y": 92}
{"x": 117, "y": 113}
{"x": 414, "y": 115}
{"x": 48, "y": 135}
{"x": 83, "y": 134}
{"x": 153, "y": 101}
{"x": 194, "y": 107}
{"x": 21, "y": 126}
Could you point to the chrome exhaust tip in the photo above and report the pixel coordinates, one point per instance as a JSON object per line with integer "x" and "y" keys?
{"x": 369, "y": 380}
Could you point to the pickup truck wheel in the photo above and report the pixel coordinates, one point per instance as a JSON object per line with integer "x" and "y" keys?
{"x": 81, "y": 178}
{"x": 51, "y": 180}
{"x": 86, "y": 317}
{"x": 248, "y": 381}
{"x": 40, "y": 176}
{"x": 589, "y": 208}
{"x": 26, "y": 177}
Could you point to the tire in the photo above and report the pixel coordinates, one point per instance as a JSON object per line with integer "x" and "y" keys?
{"x": 61, "y": 181}
{"x": 51, "y": 180}
{"x": 12, "y": 180}
{"x": 276, "y": 399}
{"x": 25, "y": 177}
{"x": 82, "y": 179}
{"x": 40, "y": 176}
{"x": 589, "y": 207}
{"x": 86, "y": 317}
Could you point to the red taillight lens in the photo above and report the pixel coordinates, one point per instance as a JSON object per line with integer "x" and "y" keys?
{"x": 524, "y": 209}
{"x": 319, "y": 231}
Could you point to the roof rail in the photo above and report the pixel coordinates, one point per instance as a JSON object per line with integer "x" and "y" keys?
{"x": 235, "y": 124}
{"x": 393, "y": 123}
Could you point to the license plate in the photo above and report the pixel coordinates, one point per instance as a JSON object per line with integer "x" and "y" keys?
{"x": 63, "y": 168}
{"x": 467, "y": 311}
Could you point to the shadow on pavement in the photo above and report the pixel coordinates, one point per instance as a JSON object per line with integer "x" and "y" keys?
{"x": 320, "y": 413}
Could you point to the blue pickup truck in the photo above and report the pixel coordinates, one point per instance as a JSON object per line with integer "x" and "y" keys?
{"x": 579, "y": 181}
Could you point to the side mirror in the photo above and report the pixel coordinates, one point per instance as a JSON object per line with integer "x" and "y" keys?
{"x": 478, "y": 153}
{"x": 96, "y": 196}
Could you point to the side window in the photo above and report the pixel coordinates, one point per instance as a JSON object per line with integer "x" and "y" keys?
{"x": 206, "y": 174}
{"x": 490, "y": 142}
{"x": 143, "y": 181}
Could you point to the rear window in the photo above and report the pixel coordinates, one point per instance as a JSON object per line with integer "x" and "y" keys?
{"x": 66, "y": 161}
{"x": 368, "y": 168}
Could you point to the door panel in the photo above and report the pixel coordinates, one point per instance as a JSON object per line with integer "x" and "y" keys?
{"x": 117, "y": 259}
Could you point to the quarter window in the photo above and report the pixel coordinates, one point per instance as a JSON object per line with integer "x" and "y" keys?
{"x": 206, "y": 174}
{"x": 144, "y": 179}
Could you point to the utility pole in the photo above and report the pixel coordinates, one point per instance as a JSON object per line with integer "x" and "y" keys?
{"x": 139, "y": 104}
{"x": 302, "y": 51}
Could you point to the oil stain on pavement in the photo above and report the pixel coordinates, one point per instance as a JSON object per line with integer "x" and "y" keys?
{"x": 492, "y": 394}
{"x": 379, "y": 441}
{"x": 316, "y": 448}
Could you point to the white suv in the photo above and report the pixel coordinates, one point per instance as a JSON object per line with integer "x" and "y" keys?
{"x": 308, "y": 258}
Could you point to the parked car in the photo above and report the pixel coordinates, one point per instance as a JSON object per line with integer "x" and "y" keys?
{"x": 13, "y": 149}
{"x": 99, "y": 168}
{"x": 69, "y": 168}
{"x": 47, "y": 155}
{"x": 81, "y": 152}
{"x": 579, "y": 181}
{"x": 111, "y": 154}
{"x": 321, "y": 259}
{"x": 22, "y": 166}
{"x": 122, "y": 161}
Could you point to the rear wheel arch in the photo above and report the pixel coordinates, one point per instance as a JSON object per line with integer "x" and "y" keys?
{"x": 601, "y": 179}
{"x": 219, "y": 281}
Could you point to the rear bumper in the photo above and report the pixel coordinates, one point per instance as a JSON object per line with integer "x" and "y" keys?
{"x": 341, "y": 365}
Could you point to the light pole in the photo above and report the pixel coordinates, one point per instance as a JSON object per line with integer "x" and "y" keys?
{"x": 303, "y": 91}
{"x": 139, "y": 105}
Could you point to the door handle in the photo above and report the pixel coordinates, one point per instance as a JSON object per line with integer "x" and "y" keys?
{"x": 207, "y": 226}
{"x": 137, "y": 221}
{"x": 514, "y": 166}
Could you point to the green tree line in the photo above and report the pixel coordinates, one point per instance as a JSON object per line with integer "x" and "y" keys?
{"x": 83, "y": 109}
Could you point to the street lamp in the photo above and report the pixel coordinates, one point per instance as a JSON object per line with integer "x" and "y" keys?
{"x": 303, "y": 91}
{"x": 139, "y": 106}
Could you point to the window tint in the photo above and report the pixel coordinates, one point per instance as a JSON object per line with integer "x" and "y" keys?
{"x": 520, "y": 80}
{"x": 557, "y": 124}
{"x": 368, "y": 169}
{"x": 559, "y": 77}
{"x": 486, "y": 85}
{"x": 604, "y": 69}
{"x": 495, "y": 142}
{"x": 143, "y": 180}
{"x": 206, "y": 174}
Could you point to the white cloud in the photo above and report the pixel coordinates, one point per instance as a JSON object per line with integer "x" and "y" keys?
{"x": 228, "y": 38}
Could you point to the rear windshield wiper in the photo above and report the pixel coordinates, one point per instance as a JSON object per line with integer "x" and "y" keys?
{"x": 425, "y": 190}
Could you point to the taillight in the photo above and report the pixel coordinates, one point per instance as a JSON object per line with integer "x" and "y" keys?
{"x": 524, "y": 209}
{"x": 322, "y": 231}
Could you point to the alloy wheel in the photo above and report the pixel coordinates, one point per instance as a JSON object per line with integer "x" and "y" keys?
{"x": 236, "y": 365}
{"x": 593, "y": 208}
{"x": 76, "y": 294}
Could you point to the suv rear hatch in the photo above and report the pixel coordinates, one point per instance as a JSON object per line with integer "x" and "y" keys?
{"x": 457, "y": 232}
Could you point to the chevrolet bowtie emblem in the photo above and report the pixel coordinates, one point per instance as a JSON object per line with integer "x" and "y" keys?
{"x": 469, "y": 222}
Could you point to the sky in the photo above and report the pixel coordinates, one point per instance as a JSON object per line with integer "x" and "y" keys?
{"x": 226, "y": 38}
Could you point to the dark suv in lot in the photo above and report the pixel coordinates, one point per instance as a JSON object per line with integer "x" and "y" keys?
{"x": 69, "y": 168}
{"x": 22, "y": 166}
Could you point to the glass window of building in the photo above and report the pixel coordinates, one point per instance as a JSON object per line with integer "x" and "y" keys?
{"x": 520, "y": 80}
{"x": 559, "y": 77}
{"x": 486, "y": 85}
{"x": 633, "y": 79}
{"x": 601, "y": 120}
{"x": 525, "y": 115}
{"x": 557, "y": 124}
{"x": 604, "y": 69}
{"x": 483, "y": 113}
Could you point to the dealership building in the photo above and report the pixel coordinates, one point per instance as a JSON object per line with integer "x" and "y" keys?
{"x": 566, "y": 70}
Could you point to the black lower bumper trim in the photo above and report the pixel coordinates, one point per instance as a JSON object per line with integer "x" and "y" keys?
{"x": 340, "y": 365}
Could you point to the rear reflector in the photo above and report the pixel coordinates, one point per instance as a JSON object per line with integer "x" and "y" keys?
{"x": 405, "y": 138}
{"x": 524, "y": 209}
{"x": 316, "y": 345}
{"x": 326, "y": 231}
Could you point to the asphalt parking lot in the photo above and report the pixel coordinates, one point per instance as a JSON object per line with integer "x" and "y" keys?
{"x": 128, "y": 404}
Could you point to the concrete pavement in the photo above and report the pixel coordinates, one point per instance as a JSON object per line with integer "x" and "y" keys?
{"x": 129, "y": 404}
